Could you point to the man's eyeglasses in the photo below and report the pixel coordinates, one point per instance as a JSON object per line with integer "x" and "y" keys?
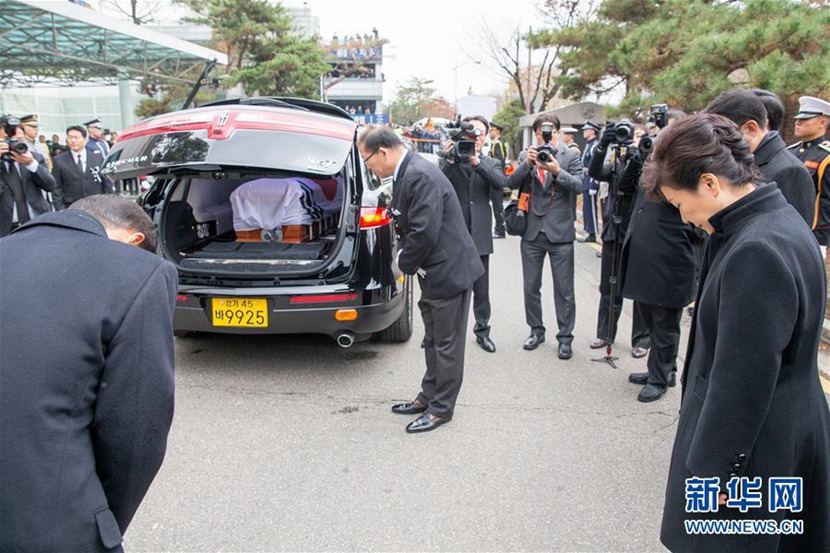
{"x": 366, "y": 160}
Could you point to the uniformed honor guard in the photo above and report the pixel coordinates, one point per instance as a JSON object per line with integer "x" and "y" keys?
{"x": 813, "y": 149}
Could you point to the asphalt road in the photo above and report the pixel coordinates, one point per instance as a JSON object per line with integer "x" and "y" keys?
{"x": 288, "y": 443}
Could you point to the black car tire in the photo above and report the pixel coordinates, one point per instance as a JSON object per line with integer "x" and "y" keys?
{"x": 401, "y": 330}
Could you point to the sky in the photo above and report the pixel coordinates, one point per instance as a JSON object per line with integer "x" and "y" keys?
{"x": 432, "y": 39}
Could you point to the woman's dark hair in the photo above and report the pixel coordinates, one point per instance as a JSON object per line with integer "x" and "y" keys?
{"x": 694, "y": 145}
{"x": 378, "y": 136}
{"x": 547, "y": 118}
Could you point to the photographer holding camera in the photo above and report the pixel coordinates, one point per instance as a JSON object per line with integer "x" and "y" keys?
{"x": 550, "y": 177}
{"x": 473, "y": 176}
{"x": 24, "y": 177}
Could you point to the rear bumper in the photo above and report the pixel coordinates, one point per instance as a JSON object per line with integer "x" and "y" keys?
{"x": 376, "y": 310}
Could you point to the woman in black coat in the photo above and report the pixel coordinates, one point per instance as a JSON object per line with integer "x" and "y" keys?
{"x": 752, "y": 402}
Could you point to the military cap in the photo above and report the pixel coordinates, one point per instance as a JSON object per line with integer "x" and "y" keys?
{"x": 94, "y": 123}
{"x": 28, "y": 119}
{"x": 494, "y": 125}
{"x": 569, "y": 130}
{"x": 591, "y": 125}
{"x": 809, "y": 106}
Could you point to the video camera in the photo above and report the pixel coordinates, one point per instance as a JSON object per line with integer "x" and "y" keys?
{"x": 546, "y": 151}
{"x": 464, "y": 134}
{"x": 10, "y": 125}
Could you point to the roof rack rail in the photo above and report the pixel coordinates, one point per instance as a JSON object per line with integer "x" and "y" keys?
{"x": 294, "y": 103}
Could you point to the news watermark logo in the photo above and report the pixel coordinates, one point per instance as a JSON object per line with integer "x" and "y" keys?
{"x": 744, "y": 494}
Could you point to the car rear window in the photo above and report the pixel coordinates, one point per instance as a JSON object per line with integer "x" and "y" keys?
{"x": 273, "y": 150}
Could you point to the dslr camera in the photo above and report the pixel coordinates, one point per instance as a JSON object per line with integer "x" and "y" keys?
{"x": 10, "y": 125}
{"x": 546, "y": 151}
{"x": 623, "y": 132}
{"x": 464, "y": 135}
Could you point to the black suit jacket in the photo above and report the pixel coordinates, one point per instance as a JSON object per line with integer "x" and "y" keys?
{"x": 72, "y": 185}
{"x": 552, "y": 203}
{"x": 34, "y": 185}
{"x": 433, "y": 236}
{"x": 86, "y": 382}
{"x": 779, "y": 165}
{"x": 473, "y": 186}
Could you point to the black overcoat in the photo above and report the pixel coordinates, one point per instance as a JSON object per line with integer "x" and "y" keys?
{"x": 433, "y": 236}
{"x": 86, "y": 382}
{"x": 752, "y": 403}
{"x": 779, "y": 165}
{"x": 659, "y": 255}
{"x": 473, "y": 186}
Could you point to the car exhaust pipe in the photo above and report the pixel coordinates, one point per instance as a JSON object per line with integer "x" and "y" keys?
{"x": 345, "y": 339}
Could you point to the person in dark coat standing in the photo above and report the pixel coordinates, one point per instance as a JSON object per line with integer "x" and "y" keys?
{"x": 752, "y": 402}
{"x": 552, "y": 186}
{"x": 78, "y": 172}
{"x": 658, "y": 269}
{"x": 24, "y": 181}
{"x": 610, "y": 168}
{"x": 86, "y": 375}
{"x": 776, "y": 164}
{"x": 474, "y": 179}
{"x": 434, "y": 243}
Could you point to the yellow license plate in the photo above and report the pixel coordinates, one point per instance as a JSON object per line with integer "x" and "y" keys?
{"x": 239, "y": 312}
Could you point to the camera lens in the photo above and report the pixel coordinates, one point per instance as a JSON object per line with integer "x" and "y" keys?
{"x": 19, "y": 147}
{"x": 543, "y": 156}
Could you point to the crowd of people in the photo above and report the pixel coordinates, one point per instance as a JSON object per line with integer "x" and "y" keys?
{"x": 711, "y": 207}
{"x": 39, "y": 175}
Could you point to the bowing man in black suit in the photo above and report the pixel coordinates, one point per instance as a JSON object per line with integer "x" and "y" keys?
{"x": 84, "y": 413}
{"x": 434, "y": 243}
{"x": 24, "y": 178}
{"x": 78, "y": 171}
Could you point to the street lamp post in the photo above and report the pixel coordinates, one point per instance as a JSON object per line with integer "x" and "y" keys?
{"x": 455, "y": 71}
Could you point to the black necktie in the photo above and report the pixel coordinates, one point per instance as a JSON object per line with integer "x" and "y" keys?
{"x": 80, "y": 164}
{"x": 13, "y": 180}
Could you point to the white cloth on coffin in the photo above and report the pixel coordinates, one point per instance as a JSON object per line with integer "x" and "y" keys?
{"x": 269, "y": 203}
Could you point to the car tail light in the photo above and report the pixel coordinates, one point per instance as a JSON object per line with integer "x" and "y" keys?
{"x": 324, "y": 298}
{"x": 181, "y": 297}
{"x": 373, "y": 217}
{"x": 345, "y": 314}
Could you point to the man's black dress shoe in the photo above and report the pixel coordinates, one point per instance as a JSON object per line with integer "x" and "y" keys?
{"x": 651, "y": 392}
{"x": 424, "y": 423}
{"x": 486, "y": 344}
{"x": 642, "y": 379}
{"x": 411, "y": 408}
{"x": 591, "y": 238}
{"x": 565, "y": 351}
{"x": 638, "y": 352}
{"x": 497, "y": 236}
{"x": 533, "y": 341}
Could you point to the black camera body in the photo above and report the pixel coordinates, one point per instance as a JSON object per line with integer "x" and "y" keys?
{"x": 624, "y": 132}
{"x": 10, "y": 125}
{"x": 546, "y": 151}
{"x": 464, "y": 135}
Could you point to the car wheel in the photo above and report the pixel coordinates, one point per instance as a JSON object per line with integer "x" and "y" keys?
{"x": 401, "y": 330}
